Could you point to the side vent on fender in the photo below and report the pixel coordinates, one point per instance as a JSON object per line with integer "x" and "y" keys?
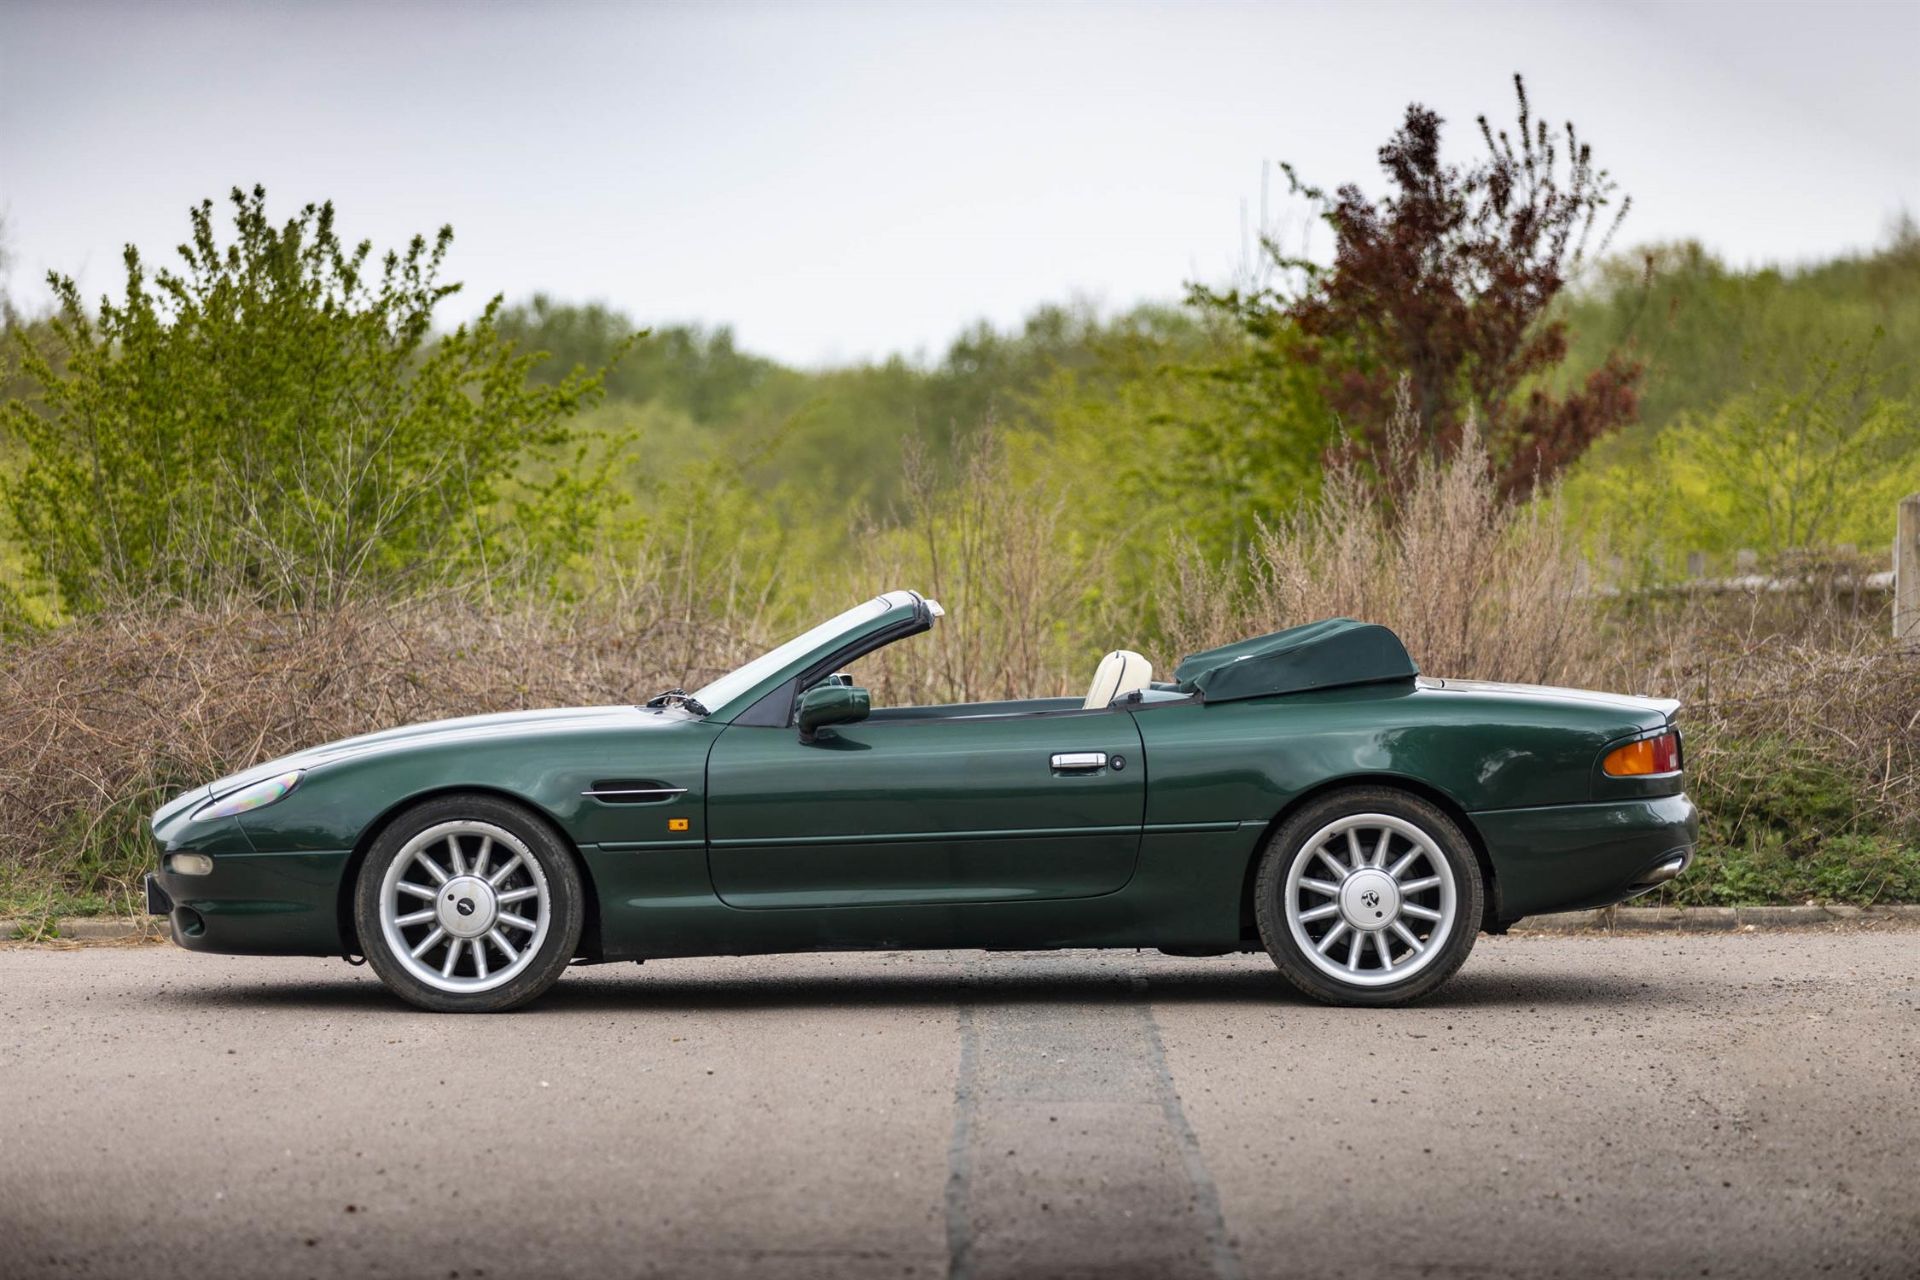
{"x": 632, "y": 791}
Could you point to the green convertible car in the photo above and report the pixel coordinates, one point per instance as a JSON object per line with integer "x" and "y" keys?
{"x": 1306, "y": 793}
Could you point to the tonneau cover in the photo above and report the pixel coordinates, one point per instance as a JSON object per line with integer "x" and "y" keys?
{"x": 1320, "y": 655}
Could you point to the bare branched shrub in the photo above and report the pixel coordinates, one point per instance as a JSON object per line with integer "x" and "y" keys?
{"x": 1202, "y": 605}
{"x": 103, "y": 720}
{"x": 1025, "y": 611}
{"x": 1799, "y": 729}
{"x": 1476, "y": 586}
{"x": 698, "y": 613}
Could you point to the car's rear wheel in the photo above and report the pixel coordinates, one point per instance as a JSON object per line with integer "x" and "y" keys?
{"x": 468, "y": 904}
{"x": 1368, "y": 896}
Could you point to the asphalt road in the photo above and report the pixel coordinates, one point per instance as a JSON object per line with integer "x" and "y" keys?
{"x": 1673, "y": 1105}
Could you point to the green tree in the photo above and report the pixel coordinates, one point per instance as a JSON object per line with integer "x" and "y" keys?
{"x": 277, "y": 417}
{"x": 697, "y": 371}
{"x": 1810, "y": 454}
{"x": 1180, "y": 432}
{"x": 1707, "y": 331}
{"x": 1793, "y": 461}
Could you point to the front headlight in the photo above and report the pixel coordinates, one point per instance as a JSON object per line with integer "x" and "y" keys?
{"x": 255, "y": 796}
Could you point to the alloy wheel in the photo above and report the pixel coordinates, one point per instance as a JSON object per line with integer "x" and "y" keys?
{"x": 1370, "y": 899}
{"x": 464, "y": 906}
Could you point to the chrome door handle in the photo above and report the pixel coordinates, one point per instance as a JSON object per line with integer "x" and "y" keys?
{"x": 1079, "y": 761}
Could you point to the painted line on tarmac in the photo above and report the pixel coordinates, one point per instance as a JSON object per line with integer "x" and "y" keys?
{"x": 1070, "y": 1154}
{"x": 1226, "y": 1262}
{"x": 960, "y": 1156}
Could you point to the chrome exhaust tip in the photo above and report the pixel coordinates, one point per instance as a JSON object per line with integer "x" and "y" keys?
{"x": 1668, "y": 868}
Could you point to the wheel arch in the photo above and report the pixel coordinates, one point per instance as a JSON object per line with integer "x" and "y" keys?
{"x": 1490, "y": 914}
{"x": 590, "y": 944}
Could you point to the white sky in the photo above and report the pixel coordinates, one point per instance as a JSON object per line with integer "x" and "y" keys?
{"x": 844, "y": 181}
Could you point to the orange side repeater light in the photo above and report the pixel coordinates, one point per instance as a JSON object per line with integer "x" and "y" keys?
{"x": 1647, "y": 756}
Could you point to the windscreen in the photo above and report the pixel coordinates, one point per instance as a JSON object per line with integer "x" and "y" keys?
{"x": 735, "y": 683}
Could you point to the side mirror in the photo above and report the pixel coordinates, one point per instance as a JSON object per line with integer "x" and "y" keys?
{"x": 826, "y": 704}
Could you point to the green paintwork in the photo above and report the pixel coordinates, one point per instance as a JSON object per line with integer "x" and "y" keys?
{"x": 1320, "y": 655}
{"x": 941, "y": 809}
{"x": 944, "y": 826}
{"x": 829, "y": 704}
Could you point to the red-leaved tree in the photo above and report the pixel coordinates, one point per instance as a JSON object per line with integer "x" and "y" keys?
{"x": 1447, "y": 281}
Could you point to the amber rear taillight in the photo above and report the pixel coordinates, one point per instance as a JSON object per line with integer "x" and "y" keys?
{"x": 1647, "y": 756}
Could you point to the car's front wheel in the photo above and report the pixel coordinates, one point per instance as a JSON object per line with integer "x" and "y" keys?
{"x": 1368, "y": 896}
{"x": 468, "y": 904}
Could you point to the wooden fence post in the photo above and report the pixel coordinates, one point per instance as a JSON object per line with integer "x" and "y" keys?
{"x": 1906, "y": 571}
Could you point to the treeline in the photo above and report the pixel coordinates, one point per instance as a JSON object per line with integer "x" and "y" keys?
{"x": 266, "y": 493}
{"x": 1138, "y": 416}
{"x": 1778, "y": 410}
{"x": 280, "y": 415}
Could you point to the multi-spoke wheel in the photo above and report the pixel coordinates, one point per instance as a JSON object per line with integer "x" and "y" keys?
{"x": 1368, "y": 896}
{"x": 464, "y": 906}
{"x": 468, "y": 903}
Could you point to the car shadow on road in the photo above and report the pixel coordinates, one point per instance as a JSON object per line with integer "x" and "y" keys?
{"x": 623, "y": 988}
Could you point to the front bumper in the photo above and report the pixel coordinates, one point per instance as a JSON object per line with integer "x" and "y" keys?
{"x": 188, "y": 927}
{"x": 256, "y": 904}
{"x": 1574, "y": 856}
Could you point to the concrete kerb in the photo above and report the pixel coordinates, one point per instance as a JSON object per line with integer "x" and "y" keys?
{"x": 1604, "y": 920}
{"x": 1716, "y": 919}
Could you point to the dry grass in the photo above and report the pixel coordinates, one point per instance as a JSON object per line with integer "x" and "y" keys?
{"x": 1476, "y": 587}
{"x": 1025, "y": 614}
{"x": 1803, "y": 722}
{"x": 102, "y": 720}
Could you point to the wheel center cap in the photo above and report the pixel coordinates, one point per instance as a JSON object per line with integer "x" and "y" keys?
{"x": 466, "y": 906}
{"x": 1369, "y": 899}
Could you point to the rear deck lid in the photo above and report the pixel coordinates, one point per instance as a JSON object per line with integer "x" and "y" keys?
{"x": 1665, "y": 707}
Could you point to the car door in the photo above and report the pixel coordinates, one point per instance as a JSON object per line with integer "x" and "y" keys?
{"x": 937, "y": 810}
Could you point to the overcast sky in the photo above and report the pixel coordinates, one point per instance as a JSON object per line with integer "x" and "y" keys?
{"x": 841, "y": 181}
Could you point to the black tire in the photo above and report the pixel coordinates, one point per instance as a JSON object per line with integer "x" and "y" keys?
{"x": 545, "y": 865}
{"x": 1380, "y": 815}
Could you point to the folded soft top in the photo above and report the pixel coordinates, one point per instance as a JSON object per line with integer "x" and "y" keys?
{"x": 1320, "y": 655}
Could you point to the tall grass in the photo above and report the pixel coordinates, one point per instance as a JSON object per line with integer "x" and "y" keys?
{"x": 1475, "y": 586}
{"x": 1803, "y": 724}
{"x": 1803, "y": 746}
{"x": 1027, "y": 612}
{"x": 104, "y": 719}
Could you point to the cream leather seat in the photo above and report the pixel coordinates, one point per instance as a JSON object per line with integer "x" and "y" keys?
{"x": 1121, "y": 672}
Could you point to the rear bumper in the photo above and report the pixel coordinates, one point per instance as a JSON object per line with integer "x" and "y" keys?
{"x": 1668, "y": 868}
{"x": 1574, "y": 856}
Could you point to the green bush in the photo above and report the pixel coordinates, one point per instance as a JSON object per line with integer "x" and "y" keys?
{"x": 1775, "y": 791}
{"x": 1780, "y": 824}
{"x": 1857, "y": 870}
{"x": 276, "y": 418}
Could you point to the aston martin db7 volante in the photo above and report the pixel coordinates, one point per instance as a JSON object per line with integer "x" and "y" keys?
{"x": 1306, "y": 793}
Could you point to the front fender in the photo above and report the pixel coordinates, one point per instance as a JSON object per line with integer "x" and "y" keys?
{"x": 338, "y": 802}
